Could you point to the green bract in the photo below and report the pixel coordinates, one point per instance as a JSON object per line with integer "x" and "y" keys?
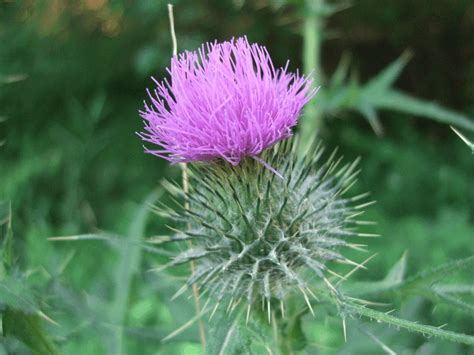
{"x": 258, "y": 237}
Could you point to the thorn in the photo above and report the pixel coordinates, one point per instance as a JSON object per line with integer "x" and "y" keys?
{"x": 335, "y": 274}
{"x": 214, "y": 310}
{"x": 365, "y": 302}
{"x": 160, "y": 268}
{"x": 344, "y": 328}
{"x": 364, "y": 205}
{"x": 463, "y": 138}
{"x": 358, "y": 247}
{"x": 346, "y": 276}
{"x": 179, "y": 292}
{"x": 248, "y": 314}
{"x": 442, "y": 326}
{"x": 359, "y": 197}
{"x": 343, "y": 190}
{"x": 307, "y": 301}
{"x": 350, "y": 262}
{"x": 44, "y": 316}
{"x": 235, "y": 305}
{"x": 230, "y": 305}
{"x": 312, "y": 294}
{"x": 365, "y": 223}
{"x": 355, "y": 214}
{"x": 269, "y": 312}
{"x": 368, "y": 235}
{"x": 185, "y": 325}
{"x": 330, "y": 285}
{"x": 282, "y": 307}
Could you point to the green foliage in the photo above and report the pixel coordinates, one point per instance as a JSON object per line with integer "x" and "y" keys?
{"x": 230, "y": 337}
{"x": 72, "y": 78}
{"x": 412, "y": 326}
{"x": 378, "y": 93}
{"x": 128, "y": 266}
{"x": 28, "y": 328}
{"x": 20, "y": 315}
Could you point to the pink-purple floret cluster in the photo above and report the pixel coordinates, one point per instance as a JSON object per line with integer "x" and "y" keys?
{"x": 226, "y": 100}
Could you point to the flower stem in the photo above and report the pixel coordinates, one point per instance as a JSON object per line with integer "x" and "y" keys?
{"x": 312, "y": 38}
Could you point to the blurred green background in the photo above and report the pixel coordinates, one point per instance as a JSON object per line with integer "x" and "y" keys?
{"x": 73, "y": 76}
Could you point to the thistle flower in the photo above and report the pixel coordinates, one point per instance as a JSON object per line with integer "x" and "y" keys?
{"x": 226, "y": 101}
{"x": 255, "y": 237}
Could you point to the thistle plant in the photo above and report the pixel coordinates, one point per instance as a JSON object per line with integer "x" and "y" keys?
{"x": 264, "y": 228}
{"x": 262, "y": 221}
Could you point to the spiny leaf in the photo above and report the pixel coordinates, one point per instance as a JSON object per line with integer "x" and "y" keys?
{"x": 15, "y": 294}
{"x": 455, "y": 288}
{"x": 436, "y": 273}
{"x": 185, "y": 326}
{"x": 378, "y": 93}
{"x": 369, "y": 112}
{"x": 341, "y": 71}
{"x": 426, "y": 330}
{"x": 112, "y": 239}
{"x": 386, "y": 78}
{"x": 28, "y": 328}
{"x": 129, "y": 262}
{"x": 454, "y": 301}
{"x": 6, "y": 236}
{"x": 226, "y": 336}
{"x": 399, "y": 101}
{"x": 397, "y": 272}
{"x": 428, "y": 276}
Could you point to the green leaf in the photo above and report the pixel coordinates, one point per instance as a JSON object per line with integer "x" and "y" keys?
{"x": 370, "y": 114}
{"x": 455, "y": 288}
{"x": 436, "y": 273}
{"x": 379, "y": 94}
{"x": 6, "y": 237}
{"x": 129, "y": 263}
{"x": 15, "y": 294}
{"x": 454, "y": 301}
{"x": 226, "y": 336}
{"x": 296, "y": 336}
{"x": 387, "y": 77}
{"x": 426, "y": 330}
{"x": 401, "y": 102}
{"x": 397, "y": 272}
{"x": 341, "y": 71}
{"x": 414, "y": 283}
{"x": 28, "y": 329}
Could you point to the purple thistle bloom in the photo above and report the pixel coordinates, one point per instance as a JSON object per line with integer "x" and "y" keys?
{"x": 225, "y": 100}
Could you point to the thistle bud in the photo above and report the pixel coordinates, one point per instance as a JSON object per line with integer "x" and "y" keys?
{"x": 256, "y": 236}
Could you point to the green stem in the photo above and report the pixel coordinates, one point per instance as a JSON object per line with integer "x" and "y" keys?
{"x": 288, "y": 331}
{"x": 130, "y": 254}
{"x": 426, "y": 330}
{"x": 283, "y": 340}
{"x": 312, "y": 38}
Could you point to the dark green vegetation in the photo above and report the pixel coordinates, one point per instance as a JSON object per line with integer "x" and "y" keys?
{"x": 72, "y": 77}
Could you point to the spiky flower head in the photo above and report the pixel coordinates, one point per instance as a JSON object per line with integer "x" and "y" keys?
{"x": 226, "y": 100}
{"x": 258, "y": 237}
